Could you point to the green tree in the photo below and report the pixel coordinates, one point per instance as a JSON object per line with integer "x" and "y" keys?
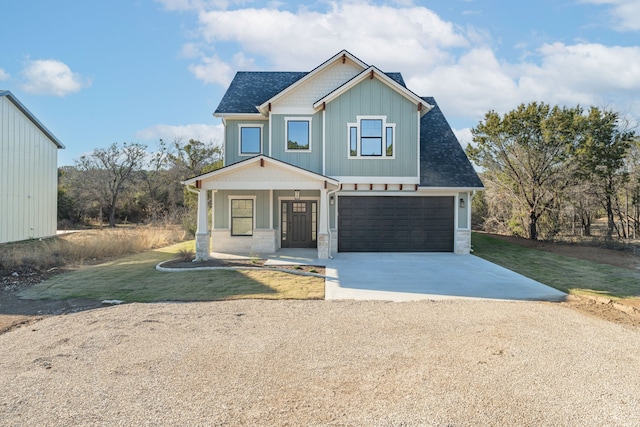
{"x": 525, "y": 156}
{"x": 601, "y": 152}
{"x": 195, "y": 158}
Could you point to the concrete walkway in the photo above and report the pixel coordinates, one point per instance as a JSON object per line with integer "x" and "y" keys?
{"x": 435, "y": 276}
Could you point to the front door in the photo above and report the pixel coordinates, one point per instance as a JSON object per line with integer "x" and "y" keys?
{"x": 299, "y": 221}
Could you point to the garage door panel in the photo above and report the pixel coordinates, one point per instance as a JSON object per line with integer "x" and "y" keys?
{"x": 395, "y": 224}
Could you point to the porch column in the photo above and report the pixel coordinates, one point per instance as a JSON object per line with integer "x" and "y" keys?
{"x": 323, "y": 226}
{"x": 202, "y": 232}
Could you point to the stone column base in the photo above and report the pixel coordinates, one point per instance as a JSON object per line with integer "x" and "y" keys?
{"x": 463, "y": 242}
{"x": 323, "y": 246}
{"x": 202, "y": 246}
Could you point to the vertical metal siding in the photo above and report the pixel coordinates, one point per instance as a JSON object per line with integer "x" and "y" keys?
{"x": 28, "y": 177}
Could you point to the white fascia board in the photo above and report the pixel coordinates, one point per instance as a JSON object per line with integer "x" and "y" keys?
{"x": 240, "y": 116}
{"x": 311, "y": 75}
{"x": 378, "y": 179}
{"x": 383, "y": 78}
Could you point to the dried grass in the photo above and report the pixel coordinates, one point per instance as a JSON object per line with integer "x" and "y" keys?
{"x": 86, "y": 247}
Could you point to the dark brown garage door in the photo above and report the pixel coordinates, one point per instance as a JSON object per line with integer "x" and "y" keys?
{"x": 395, "y": 224}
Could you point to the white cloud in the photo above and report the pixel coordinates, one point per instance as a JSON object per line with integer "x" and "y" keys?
{"x": 51, "y": 77}
{"x": 464, "y": 136}
{"x": 4, "y": 75}
{"x": 212, "y": 70}
{"x": 586, "y": 74}
{"x": 582, "y": 73}
{"x": 397, "y": 38}
{"x": 170, "y": 133}
{"x": 625, "y": 13}
{"x": 456, "y": 65}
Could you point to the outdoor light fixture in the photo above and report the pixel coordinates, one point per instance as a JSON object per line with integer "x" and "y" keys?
{"x": 296, "y": 194}
{"x": 461, "y": 203}
{"x": 332, "y": 201}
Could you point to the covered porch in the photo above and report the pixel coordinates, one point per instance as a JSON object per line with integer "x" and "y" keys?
{"x": 260, "y": 205}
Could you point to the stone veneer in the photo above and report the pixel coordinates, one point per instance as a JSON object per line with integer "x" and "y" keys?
{"x": 463, "y": 242}
{"x": 323, "y": 246}
{"x": 202, "y": 246}
{"x": 263, "y": 241}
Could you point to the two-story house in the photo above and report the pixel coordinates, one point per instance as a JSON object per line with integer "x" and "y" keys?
{"x": 342, "y": 158}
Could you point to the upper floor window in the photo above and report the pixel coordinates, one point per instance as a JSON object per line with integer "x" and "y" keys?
{"x": 298, "y": 133}
{"x": 250, "y": 139}
{"x": 371, "y": 136}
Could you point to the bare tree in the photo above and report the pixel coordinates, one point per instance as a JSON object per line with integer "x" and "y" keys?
{"x": 107, "y": 171}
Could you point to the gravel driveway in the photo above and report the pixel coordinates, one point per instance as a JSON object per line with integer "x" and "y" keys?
{"x": 322, "y": 363}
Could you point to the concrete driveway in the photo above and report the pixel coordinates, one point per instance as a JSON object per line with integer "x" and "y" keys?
{"x": 435, "y": 276}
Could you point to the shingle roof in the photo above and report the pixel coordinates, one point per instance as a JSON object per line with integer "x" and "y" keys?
{"x": 443, "y": 162}
{"x": 251, "y": 88}
{"x": 11, "y": 97}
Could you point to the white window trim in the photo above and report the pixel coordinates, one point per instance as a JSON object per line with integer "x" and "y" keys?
{"x": 249, "y": 125}
{"x": 286, "y": 134}
{"x": 240, "y": 197}
{"x": 385, "y": 125}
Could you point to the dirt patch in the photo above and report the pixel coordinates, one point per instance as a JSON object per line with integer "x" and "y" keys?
{"x": 242, "y": 263}
{"x": 626, "y": 312}
{"x": 15, "y": 312}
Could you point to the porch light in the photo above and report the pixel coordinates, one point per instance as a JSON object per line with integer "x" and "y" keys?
{"x": 332, "y": 200}
{"x": 296, "y": 194}
{"x": 461, "y": 203}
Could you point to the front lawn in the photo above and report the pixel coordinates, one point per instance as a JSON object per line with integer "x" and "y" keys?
{"x": 134, "y": 279}
{"x": 570, "y": 275}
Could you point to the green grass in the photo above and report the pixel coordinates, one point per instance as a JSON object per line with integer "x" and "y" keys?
{"x": 134, "y": 279}
{"x": 567, "y": 274}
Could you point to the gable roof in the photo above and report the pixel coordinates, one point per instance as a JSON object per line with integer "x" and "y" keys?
{"x": 11, "y": 97}
{"x": 443, "y": 162}
{"x": 341, "y": 56}
{"x": 296, "y": 173}
{"x": 250, "y": 90}
{"x": 371, "y": 72}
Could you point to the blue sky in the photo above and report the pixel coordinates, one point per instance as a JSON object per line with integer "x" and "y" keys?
{"x": 97, "y": 72}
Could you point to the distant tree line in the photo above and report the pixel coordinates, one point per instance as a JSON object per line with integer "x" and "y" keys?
{"x": 126, "y": 183}
{"x": 550, "y": 170}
